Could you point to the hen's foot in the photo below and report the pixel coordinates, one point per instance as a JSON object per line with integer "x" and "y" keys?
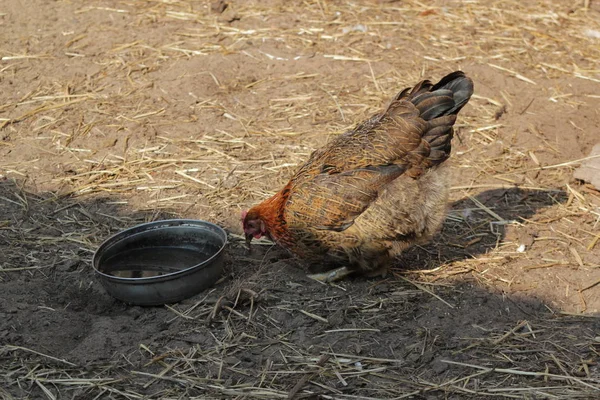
{"x": 332, "y": 275}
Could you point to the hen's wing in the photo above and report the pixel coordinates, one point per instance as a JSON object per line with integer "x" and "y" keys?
{"x": 341, "y": 180}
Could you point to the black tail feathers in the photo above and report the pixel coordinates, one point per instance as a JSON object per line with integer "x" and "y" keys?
{"x": 447, "y": 97}
{"x": 439, "y": 104}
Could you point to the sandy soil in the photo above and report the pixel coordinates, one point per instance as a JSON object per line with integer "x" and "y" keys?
{"x": 113, "y": 113}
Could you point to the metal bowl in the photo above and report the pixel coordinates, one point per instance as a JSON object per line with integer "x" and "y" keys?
{"x": 161, "y": 262}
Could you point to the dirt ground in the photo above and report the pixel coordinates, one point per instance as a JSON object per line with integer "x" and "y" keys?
{"x": 114, "y": 112}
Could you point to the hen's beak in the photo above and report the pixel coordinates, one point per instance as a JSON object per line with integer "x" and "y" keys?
{"x": 249, "y": 238}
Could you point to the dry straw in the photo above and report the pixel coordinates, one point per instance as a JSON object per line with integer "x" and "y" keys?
{"x": 258, "y": 95}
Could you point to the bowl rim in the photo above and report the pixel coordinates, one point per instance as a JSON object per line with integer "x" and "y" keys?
{"x": 145, "y": 227}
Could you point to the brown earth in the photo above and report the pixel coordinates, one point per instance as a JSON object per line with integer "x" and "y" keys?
{"x": 115, "y": 112}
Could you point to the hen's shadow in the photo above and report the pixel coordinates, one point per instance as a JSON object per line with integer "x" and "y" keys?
{"x": 476, "y": 225}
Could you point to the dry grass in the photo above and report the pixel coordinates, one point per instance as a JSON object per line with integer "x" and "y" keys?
{"x": 387, "y": 45}
{"x": 202, "y": 113}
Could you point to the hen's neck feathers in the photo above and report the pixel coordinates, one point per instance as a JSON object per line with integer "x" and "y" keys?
{"x": 271, "y": 212}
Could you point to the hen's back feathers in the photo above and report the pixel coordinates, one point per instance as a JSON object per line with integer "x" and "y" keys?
{"x": 344, "y": 178}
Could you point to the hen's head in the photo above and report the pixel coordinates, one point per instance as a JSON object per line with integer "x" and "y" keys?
{"x": 254, "y": 227}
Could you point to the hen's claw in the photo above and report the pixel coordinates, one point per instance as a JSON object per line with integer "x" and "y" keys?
{"x": 331, "y": 275}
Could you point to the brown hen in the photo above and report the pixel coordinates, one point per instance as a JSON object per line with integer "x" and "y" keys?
{"x": 371, "y": 192}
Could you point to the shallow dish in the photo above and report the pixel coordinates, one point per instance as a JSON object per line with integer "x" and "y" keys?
{"x": 161, "y": 262}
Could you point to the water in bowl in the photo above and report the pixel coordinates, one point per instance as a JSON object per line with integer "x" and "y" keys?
{"x": 152, "y": 261}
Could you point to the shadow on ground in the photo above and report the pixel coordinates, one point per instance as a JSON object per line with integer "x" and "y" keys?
{"x": 477, "y": 225}
{"x": 61, "y": 335}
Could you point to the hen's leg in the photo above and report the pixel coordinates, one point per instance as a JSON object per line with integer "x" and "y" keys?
{"x": 332, "y": 275}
